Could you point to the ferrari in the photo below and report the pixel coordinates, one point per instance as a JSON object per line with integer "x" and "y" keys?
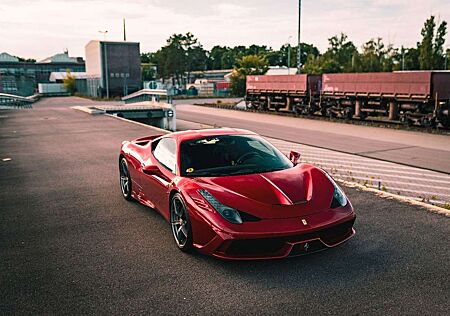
{"x": 231, "y": 194}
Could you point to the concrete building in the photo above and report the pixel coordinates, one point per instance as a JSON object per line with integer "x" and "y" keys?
{"x": 22, "y": 77}
{"x": 113, "y": 68}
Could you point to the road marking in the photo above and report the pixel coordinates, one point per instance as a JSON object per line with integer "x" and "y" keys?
{"x": 353, "y": 165}
{"x": 415, "y": 183}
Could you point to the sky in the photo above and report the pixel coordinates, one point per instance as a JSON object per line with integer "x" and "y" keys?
{"x": 38, "y": 29}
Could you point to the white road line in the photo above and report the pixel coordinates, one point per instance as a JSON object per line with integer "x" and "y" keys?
{"x": 414, "y": 182}
{"x": 387, "y": 185}
{"x": 386, "y": 173}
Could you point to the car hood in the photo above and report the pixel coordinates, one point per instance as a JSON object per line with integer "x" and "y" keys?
{"x": 303, "y": 189}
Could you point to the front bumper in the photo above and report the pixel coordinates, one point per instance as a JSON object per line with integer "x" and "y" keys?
{"x": 280, "y": 238}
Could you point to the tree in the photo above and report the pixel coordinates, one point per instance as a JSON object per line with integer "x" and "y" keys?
{"x": 148, "y": 58}
{"x": 278, "y": 57}
{"x": 148, "y": 72}
{"x": 406, "y": 59}
{"x": 375, "y": 57}
{"x": 182, "y": 54}
{"x": 27, "y": 60}
{"x": 439, "y": 41}
{"x": 341, "y": 52}
{"x": 339, "y": 57}
{"x": 69, "y": 82}
{"x": 247, "y": 65}
{"x": 306, "y": 50}
{"x": 228, "y": 59}
{"x": 314, "y": 65}
{"x": 431, "y": 47}
{"x": 215, "y": 57}
{"x": 195, "y": 55}
{"x": 426, "y": 46}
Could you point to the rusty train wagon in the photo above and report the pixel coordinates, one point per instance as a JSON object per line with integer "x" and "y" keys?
{"x": 409, "y": 96}
{"x": 293, "y": 93}
{"x": 414, "y": 96}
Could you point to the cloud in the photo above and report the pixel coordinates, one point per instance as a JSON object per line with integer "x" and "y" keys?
{"x": 42, "y": 28}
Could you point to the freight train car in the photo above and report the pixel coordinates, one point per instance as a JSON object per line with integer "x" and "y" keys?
{"x": 294, "y": 93}
{"x": 412, "y": 97}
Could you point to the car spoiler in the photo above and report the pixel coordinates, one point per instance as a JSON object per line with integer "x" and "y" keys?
{"x": 143, "y": 140}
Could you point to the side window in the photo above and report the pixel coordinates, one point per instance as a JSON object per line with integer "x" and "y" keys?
{"x": 164, "y": 152}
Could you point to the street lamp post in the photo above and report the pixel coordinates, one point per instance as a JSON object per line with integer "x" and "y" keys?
{"x": 104, "y": 34}
{"x": 403, "y": 58}
{"x": 299, "y": 52}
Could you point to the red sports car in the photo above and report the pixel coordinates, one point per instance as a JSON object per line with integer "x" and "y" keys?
{"x": 231, "y": 194}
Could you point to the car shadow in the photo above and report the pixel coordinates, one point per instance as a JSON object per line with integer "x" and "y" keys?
{"x": 361, "y": 259}
{"x": 353, "y": 261}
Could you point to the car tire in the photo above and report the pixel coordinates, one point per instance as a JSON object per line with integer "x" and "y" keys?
{"x": 125, "y": 180}
{"x": 180, "y": 223}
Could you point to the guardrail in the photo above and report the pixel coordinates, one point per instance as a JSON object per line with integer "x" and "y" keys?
{"x": 147, "y": 95}
{"x": 17, "y": 101}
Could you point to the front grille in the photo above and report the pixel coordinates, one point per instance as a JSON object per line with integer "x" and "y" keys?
{"x": 304, "y": 248}
{"x": 271, "y": 246}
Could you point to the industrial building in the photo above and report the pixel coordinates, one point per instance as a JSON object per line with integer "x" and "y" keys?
{"x": 209, "y": 83}
{"x": 22, "y": 77}
{"x": 113, "y": 68}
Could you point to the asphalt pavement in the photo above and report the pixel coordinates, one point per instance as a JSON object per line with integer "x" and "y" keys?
{"x": 70, "y": 244}
{"x": 410, "y": 182}
{"x": 417, "y": 149}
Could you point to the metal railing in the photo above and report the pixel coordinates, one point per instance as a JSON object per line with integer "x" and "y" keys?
{"x": 17, "y": 101}
{"x": 147, "y": 95}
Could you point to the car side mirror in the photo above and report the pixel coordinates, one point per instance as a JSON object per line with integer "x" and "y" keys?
{"x": 151, "y": 170}
{"x": 294, "y": 157}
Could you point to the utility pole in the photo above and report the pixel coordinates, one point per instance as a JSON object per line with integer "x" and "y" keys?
{"x": 299, "y": 53}
{"x": 106, "y": 70}
{"x": 104, "y": 34}
{"x": 403, "y": 58}
{"x": 289, "y": 59}
{"x": 124, "y": 31}
{"x": 289, "y": 55}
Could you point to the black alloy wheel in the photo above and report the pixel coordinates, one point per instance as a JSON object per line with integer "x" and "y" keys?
{"x": 180, "y": 223}
{"x": 125, "y": 180}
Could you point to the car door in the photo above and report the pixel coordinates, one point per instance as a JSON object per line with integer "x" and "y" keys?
{"x": 134, "y": 159}
{"x": 156, "y": 186}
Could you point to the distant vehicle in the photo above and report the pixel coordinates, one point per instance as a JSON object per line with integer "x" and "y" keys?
{"x": 410, "y": 97}
{"x": 231, "y": 194}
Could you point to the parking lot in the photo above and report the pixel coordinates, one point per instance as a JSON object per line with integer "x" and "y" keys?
{"x": 70, "y": 244}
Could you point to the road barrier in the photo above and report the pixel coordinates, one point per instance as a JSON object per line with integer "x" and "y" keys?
{"x": 17, "y": 101}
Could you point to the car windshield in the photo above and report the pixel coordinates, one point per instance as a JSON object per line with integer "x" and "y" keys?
{"x": 227, "y": 155}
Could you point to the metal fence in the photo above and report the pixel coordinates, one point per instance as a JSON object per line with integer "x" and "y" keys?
{"x": 16, "y": 101}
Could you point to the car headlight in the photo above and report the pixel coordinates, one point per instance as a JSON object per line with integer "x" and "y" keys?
{"x": 229, "y": 213}
{"x": 339, "y": 198}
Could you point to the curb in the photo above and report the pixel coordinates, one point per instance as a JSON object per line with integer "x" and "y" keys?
{"x": 140, "y": 124}
{"x": 411, "y": 201}
{"x": 429, "y": 207}
{"x": 89, "y": 110}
